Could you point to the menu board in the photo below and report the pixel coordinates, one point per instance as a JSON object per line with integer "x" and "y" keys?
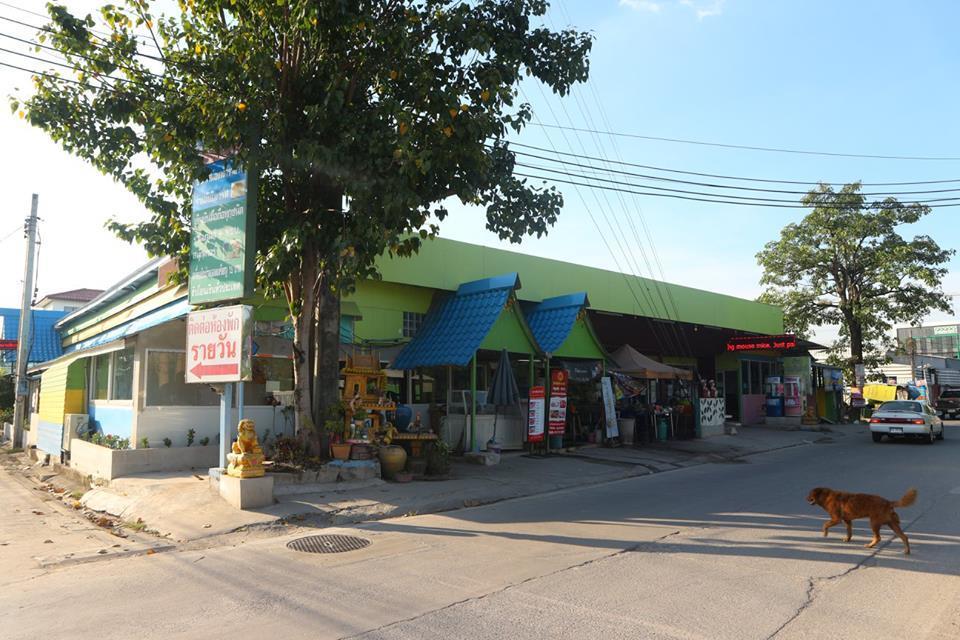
{"x": 535, "y": 414}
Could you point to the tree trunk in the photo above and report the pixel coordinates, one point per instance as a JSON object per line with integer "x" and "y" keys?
{"x": 855, "y": 329}
{"x": 327, "y": 391}
{"x": 301, "y": 286}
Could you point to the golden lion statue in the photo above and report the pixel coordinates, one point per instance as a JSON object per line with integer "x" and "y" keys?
{"x": 246, "y": 461}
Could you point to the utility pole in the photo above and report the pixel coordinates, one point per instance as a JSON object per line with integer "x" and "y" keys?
{"x": 23, "y": 344}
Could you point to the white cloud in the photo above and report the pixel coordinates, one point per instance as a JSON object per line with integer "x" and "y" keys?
{"x": 705, "y": 9}
{"x": 642, "y": 5}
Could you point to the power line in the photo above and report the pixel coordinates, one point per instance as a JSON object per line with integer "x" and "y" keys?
{"x": 711, "y": 185}
{"x": 728, "y": 177}
{"x": 798, "y": 205}
{"x": 100, "y": 76}
{"x": 80, "y": 55}
{"x": 54, "y": 31}
{"x": 143, "y": 39}
{"x": 752, "y": 148}
{"x": 684, "y": 191}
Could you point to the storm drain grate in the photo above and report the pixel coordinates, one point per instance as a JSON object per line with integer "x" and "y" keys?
{"x": 328, "y": 544}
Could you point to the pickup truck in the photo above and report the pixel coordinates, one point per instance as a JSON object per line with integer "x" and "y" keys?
{"x": 948, "y": 404}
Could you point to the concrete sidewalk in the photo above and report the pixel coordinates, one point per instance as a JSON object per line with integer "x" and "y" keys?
{"x": 182, "y": 506}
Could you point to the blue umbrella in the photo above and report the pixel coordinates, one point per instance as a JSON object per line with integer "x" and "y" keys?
{"x": 503, "y": 390}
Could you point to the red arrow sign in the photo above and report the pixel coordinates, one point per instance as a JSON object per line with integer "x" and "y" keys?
{"x": 215, "y": 370}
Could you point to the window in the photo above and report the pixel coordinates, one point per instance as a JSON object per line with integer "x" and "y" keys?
{"x": 122, "y": 375}
{"x": 113, "y": 375}
{"x": 411, "y": 323}
{"x": 756, "y": 378}
{"x": 166, "y": 385}
{"x": 269, "y": 375}
{"x": 101, "y": 377}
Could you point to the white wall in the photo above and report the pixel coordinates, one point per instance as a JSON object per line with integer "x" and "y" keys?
{"x": 157, "y": 423}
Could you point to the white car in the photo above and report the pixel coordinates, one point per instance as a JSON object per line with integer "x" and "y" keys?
{"x": 906, "y": 418}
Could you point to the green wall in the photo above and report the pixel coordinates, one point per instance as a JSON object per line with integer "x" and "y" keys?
{"x": 509, "y": 332}
{"x": 445, "y": 264}
{"x": 382, "y": 305}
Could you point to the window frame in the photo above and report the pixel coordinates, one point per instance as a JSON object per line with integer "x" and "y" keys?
{"x": 110, "y": 374}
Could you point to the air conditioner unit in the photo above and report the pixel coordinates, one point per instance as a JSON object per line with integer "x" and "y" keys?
{"x": 74, "y": 426}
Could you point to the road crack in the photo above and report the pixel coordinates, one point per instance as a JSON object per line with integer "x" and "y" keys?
{"x": 504, "y": 589}
{"x": 816, "y": 584}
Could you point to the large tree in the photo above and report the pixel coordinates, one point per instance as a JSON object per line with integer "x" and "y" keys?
{"x": 361, "y": 117}
{"x": 846, "y": 264}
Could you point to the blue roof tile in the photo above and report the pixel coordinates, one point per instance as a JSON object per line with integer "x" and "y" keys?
{"x": 552, "y": 320}
{"x": 456, "y": 325}
{"x": 44, "y": 338}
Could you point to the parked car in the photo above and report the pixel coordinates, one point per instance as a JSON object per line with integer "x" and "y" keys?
{"x": 906, "y": 418}
{"x": 948, "y": 404}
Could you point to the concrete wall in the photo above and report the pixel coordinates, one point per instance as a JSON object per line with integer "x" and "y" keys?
{"x": 102, "y": 462}
{"x": 157, "y": 423}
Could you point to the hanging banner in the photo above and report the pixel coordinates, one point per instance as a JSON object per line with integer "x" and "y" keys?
{"x": 535, "y": 414}
{"x": 219, "y": 345}
{"x": 222, "y": 235}
{"x": 558, "y": 402}
{"x": 609, "y": 408}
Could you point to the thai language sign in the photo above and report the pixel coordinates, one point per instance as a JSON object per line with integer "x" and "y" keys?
{"x": 219, "y": 344}
{"x": 558, "y": 402}
{"x": 535, "y": 414}
{"x": 222, "y": 235}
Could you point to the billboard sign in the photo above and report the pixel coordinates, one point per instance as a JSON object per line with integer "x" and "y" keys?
{"x": 535, "y": 414}
{"x": 783, "y": 342}
{"x": 222, "y": 235}
{"x": 558, "y": 402}
{"x": 219, "y": 345}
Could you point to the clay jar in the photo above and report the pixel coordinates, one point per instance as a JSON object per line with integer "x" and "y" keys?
{"x": 393, "y": 459}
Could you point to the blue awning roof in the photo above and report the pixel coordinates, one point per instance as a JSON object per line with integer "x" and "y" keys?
{"x": 552, "y": 320}
{"x": 156, "y": 317}
{"x": 455, "y": 327}
{"x": 45, "y": 342}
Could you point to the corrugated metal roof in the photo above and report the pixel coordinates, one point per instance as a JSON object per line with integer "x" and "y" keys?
{"x": 174, "y": 310}
{"x": 551, "y": 320}
{"x": 44, "y": 338}
{"x": 455, "y": 326}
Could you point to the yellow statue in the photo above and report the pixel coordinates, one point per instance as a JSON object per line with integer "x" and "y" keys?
{"x": 246, "y": 461}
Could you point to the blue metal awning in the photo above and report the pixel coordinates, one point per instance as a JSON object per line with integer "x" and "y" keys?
{"x": 456, "y": 326}
{"x": 156, "y": 317}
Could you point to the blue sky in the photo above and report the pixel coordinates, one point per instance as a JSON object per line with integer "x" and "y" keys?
{"x": 869, "y": 78}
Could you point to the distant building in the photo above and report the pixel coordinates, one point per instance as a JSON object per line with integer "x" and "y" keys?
{"x": 941, "y": 340}
{"x": 67, "y": 300}
{"x": 44, "y": 341}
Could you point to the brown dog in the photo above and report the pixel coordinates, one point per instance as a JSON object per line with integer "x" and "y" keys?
{"x": 850, "y": 506}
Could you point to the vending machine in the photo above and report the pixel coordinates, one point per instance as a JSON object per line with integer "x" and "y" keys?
{"x": 792, "y": 396}
{"x": 774, "y": 392}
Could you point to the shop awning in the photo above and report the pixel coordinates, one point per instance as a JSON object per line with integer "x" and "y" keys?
{"x": 457, "y": 325}
{"x": 156, "y": 317}
{"x": 633, "y": 363}
{"x": 562, "y": 328}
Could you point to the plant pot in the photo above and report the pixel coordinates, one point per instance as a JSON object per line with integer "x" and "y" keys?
{"x": 340, "y": 450}
{"x": 393, "y": 459}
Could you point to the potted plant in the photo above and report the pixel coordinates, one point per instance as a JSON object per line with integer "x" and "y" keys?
{"x": 336, "y": 431}
{"x": 438, "y": 458}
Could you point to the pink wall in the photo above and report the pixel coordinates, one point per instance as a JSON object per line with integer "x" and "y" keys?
{"x": 754, "y": 410}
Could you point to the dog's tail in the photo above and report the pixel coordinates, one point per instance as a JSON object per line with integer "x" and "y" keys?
{"x": 908, "y": 499}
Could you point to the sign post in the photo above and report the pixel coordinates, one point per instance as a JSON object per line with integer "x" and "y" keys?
{"x": 609, "y": 408}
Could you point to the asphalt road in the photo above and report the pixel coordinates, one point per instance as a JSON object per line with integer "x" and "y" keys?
{"x": 716, "y": 551}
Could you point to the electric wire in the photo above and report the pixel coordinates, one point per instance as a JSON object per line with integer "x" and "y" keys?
{"x": 755, "y": 148}
{"x": 684, "y": 191}
{"x": 798, "y": 205}
{"x": 606, "y": 243}
{"x": 711, "y": 185}
{"x": 729, "y": 177}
